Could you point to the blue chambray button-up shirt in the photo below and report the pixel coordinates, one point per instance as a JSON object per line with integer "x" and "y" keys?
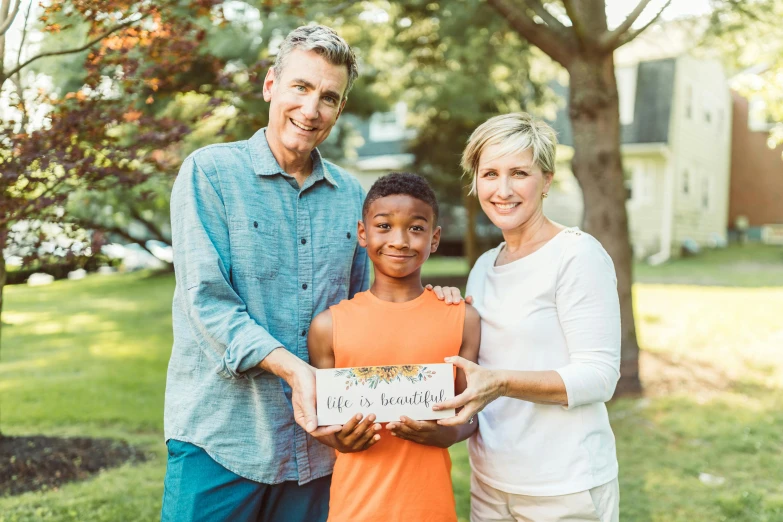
{"x": 256, "y": 258}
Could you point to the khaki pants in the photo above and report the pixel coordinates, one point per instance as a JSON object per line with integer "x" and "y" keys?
{"x": 600, "y": 504}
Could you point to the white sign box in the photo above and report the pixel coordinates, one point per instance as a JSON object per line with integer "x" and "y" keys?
{"x": 387, "y": 391}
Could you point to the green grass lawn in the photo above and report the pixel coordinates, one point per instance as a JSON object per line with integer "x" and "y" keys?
{"x": 88, "y": 358}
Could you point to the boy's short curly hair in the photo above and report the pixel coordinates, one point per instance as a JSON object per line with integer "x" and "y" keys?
{"x": 405, "y": 183}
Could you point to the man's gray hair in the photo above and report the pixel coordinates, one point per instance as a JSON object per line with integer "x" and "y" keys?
{"x": 515, "y": 132}
{"x": 323, "y": 41}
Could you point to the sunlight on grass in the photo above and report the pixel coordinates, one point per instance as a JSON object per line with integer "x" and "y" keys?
{"x": 89, "y": 358}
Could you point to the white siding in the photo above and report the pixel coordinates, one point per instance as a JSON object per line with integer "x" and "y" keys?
{"x": 701, "y": 150}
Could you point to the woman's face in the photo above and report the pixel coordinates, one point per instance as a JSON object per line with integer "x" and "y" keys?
{"x": 510, "y": 187}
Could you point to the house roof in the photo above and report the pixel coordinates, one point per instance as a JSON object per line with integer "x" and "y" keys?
{"x": 652, "y": 107}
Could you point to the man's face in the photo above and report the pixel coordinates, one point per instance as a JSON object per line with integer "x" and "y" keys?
{"x": 399, "y": 233}
{"x": 306, "y": 100}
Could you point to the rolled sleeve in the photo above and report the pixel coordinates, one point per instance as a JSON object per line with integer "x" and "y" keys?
{"x": 589, "y": 311}
{"x": 228, "y": 335}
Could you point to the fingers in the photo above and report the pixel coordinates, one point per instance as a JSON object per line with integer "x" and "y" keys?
{"x": 469, "y": 299}
{"x": 463, "y": 417}
{"x": 460, "y": 362}
{"x": 325, "y": 431}
{"x": 304, "y": 401}
{"x": 368, "y": 438}
{"x": 439, "y": 292}
{"x": 351, "y": 436}
{"x": 455, "y": 295}
{"x": 457, "y": 402}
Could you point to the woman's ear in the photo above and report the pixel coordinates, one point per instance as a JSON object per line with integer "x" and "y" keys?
{"x": 548, "y": 180}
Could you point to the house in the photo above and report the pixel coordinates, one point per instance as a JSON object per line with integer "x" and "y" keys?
{"x": 756, "y": 188}
{"x": 382, "y": 147}
{"x": 675, "y": 116}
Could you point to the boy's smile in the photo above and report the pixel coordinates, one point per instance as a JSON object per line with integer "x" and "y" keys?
{"x": 399, "y": 233}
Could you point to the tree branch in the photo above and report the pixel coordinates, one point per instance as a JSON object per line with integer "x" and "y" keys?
{"x": 543, "y": 37}
{"x": 611, "y": 40}
{"x": 546, "y": 16}
{"x": 79, "y": 49}
{"x": 24, "y": 32}
{"x": 6, "y": 24}
{"x": 92, "y": 225}
{"x": 624, "y": 39}
{"x": 576, "y": 23}
{"x": 150, "y": 226}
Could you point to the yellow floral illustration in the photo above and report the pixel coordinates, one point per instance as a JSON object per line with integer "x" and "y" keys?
{"x": 373, "y": 375}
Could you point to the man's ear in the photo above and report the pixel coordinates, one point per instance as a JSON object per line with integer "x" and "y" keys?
{"x": 269, "y": 82}
{"x": 361, "y": 233}
{"x": 435, "y": 240}
{"x": 342, "y": 106}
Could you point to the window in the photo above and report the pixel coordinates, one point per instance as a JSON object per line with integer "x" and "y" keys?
{"x": 626, "y": 92}
{"x": 688, "y": 102}
{"x": 388, "y": 126}
{"x": 686, "y": 182}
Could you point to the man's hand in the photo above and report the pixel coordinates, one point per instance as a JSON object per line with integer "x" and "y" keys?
{"x": 423, "y": 432}
{"x": 300, "y": 376}
{"x": 355, "y": 435}
{"x": 449, "y": 294}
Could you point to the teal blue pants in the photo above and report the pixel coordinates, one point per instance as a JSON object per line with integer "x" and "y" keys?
{"x": 197, "y": 488}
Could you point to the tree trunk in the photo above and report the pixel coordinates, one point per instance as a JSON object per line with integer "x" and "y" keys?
{"x": 597, "y": 165}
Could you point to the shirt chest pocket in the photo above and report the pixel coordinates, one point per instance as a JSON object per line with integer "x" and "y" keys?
{"x": 255, "y": 248}
{"x": 341, "y": 245}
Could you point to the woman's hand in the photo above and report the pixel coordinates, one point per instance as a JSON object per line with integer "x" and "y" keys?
{"x": 483, "y": 387}
{"x": 449, "y": 294}
{"x": 423, "y": 432}
{"x": 355, "y": 435}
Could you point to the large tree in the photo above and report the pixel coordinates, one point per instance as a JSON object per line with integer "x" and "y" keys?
{"x": 575, "y": 34}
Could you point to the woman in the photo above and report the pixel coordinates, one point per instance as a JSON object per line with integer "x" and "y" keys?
{"x": 550, "y": 343}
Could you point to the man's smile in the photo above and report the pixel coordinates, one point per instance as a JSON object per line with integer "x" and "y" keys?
{"x": 301, "y": 125}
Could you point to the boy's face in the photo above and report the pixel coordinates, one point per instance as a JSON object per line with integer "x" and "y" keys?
{"x": 399, "y": 234}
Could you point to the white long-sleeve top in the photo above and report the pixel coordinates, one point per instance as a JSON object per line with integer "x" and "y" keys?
{"x": 555, "y": 309}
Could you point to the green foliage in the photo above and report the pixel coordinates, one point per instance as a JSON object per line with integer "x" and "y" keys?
{"x": 459, "y": 63}
{"x": 748, "y": 36}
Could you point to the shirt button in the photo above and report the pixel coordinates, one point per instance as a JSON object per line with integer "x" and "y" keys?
{"x": 348, "y": 235}
{"x": 304, "y": 332}
{"x": 255, "y": 224}
{"x": 304, "y": 241}
{"x": 304, "y": 286}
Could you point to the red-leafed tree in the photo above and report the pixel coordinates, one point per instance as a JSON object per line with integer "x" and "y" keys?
{"x": 92, "y": 138}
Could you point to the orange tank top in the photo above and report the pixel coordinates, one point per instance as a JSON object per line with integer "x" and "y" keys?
{"x": 396, "y": 480}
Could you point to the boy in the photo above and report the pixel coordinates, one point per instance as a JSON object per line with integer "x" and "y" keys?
{"x": 406, "y": 476}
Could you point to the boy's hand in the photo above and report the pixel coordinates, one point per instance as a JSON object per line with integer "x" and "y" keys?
{"x": 355, "y": 435}
{"x": 423, "y": 432}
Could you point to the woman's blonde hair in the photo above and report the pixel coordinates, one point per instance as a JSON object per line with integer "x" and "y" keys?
{"x": 516, "y": 132}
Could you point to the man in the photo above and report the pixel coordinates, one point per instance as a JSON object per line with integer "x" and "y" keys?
{"x": 264, "y": 235}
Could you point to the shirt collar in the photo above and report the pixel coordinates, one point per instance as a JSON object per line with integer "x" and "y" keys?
{"x": 265, "y": 164}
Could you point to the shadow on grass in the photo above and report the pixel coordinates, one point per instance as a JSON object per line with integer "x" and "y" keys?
{"x": 701, "y": 446}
